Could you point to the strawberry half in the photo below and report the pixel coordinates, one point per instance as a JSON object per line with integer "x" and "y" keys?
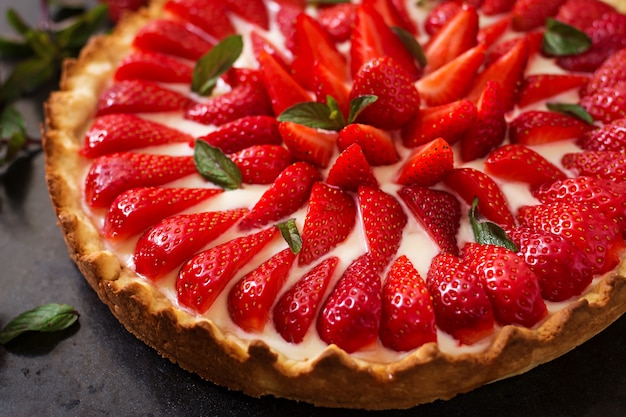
{"x": 427, "y": 164}
{"x": 251, "y": 298}
{"x": 540, "y": 87}
{"x": 245, "y": 132}
{"x": 329, "y": 220}
{"x": 538, "y": 127}
{"x": 170, "y": 242}
{"x": 137, "y": 209}
{"x": 610, "y": 73}
{"x": 326, "y": 83}
{"x": 601, "y": 164}
{"x": 512, "y": 287}
{"x": 287, "y": 194}
{"x": 407, "y": 316}
{"x": 211, "y": 16}
{"x": 377, "y": 145}
{"x": 582, "y": 13}
{"x": 350, "y": 316}
{"x": 607, "y": 104}
{"x": 383, "y": 223}
{"x": 253, "y": 11}
{"x": 439, "y": 213}
{"x": 531, "y": 14}
{"x": 153, "y": 66}
{"x": 337, "y": 20}
{"x": 462, "y": 308}
{"x": 112, "y": 174}
{"x": 172, "y": 37}
{"x": 394, "y": 14}
{"x": 139, "y": 96}
{"x": 609, "y": 137}
{"x": 261, "y": 164}
{"x": 351, "y": 170}
{"x": 440, "y": 14}
{"x": 308, "y": 144}
{"x": 203, "y": 277}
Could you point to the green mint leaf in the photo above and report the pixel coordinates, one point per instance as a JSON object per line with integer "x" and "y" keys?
{"x": 216, "y": 167}
{"x": 412, "y": 45}
{"x": 487, "y": 232}
{"x": 575, "y": 110}
{"x": 358, "y": 104}
{"x": 76, "y": 35}
{"x": 12, "y": 134}
{"x": 289, "y": 231}
{"x": 17, "y": 23}
{"x": 561, "y": 39}
{"x": 27, "y": 76}
{"x": 311, "y": 114}
{"x": 214, "y": 63}
{"x": 45, "y": 318}
{"x": 335, "y": 112}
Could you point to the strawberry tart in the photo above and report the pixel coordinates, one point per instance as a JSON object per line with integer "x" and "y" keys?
{"x": 404, "y": 199}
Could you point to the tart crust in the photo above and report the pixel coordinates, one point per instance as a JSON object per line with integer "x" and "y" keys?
{"x": 334, "y": 378}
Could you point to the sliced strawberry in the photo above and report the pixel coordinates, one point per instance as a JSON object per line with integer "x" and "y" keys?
{"x": 438, "y": 211}
{"x": 153, "y": 66}
{"x": 371, "y": 38}
{"x": 326, "y": 83}
{"x": 260, "y": 42}
{"x": 398, "y": 99}
{"x": 282, "y": 88}
{"x": 393, "y": 13}
{"x": 457, "y": 35}
{"x": 172, "y": 37}
{"x": 491, "y": 33}
{"x": 462, "y": 308}
{"x": 329, "y": 220}
{"x": 449, "y": 121}
{"x": 124, "y": 132}
{"x": 510, "y": 283}
{"x": 494, "y": 7}
{"x": 540, "y": 87}
{"x": 350, "y": 316}
{"x": 253, "y": 11}
{"x": 441, "y": 13}
{"x": 427, "y": 164}
{"x": 203, "y": 277}
{"x": 610, "y": 73}
{"x": 563, "y": 270}
{"x": 245, "y": 132}
{"x": 248, "y": 97}
{"x": 261, "y": 164}
{"x": 490, "y": 128}
{"x": 337, "y": 20}
{"x": 297, "y": 307}
{"x": 515, "y": 162}
{"x": 377, "y": 144}
{"x": 112, "y": 174}
{"x": 610, "y": 165}
{"x": 534, "y": 39}
{"x": 308, "y": 144}
{"x": 581, "y": 13}
{"x": 137, "y": 209}
{"x": 251, "y": 298}
{"x": 610, "y": 137}
{"x": 383, "y": 223}
{"x": 286, "y": 16}
{"x": 351, "y": 170}
{"x": 174, "y": 239}
{"x": 607, "y": 103}
{"x": 531, "y": 14}
{"x": 211, "y": 16}
{"x": 287, "y": 194}
{"x": 407, "y": 317}
{"x": 588, "y": 229}
{"x": 138, "y": 96}
{"x": 537, "y": 127}
{"x": 470, "y": 183}
{"x": 453, "y": 80}
{"x": 405, "y": 17}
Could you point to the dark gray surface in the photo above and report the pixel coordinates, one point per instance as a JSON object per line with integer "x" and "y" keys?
{"x": 96, "y": 368}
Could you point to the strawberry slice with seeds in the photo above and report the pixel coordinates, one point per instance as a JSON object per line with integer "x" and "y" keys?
{"x": 287, "y": 194}
{"x": 125, "y": 132}
{"x": 377, "y": 145}
{"x": 205, "y": 275}
{"x": 607, "y": 104}
{"x": 172, "y": 37}
{"x": 297, "y": 307}
{"x": 260, "y": 42}
{"x": 351, "y": 170}
{"x": 261, "y": 164}
{"x": 251, "y": 298}
{"x": 326, "y": 83}
{"x": 170, "y": 242}
{"x": 427, "y": 164}
{"x": 470, "y": 183}
{"x": 137, "y": 209}
{"x": 211, "y": 16}
{"x": 531, "y": 14}
{"x": 308, "y": 144}
{"x": 582, "y": 13}
{"x": 462, "y": 307}
{"x": 112, "y": 174}
{"x": 449, "y": 121}
{"x": 330, "y": 218}
{"x": 407, "y": 316}
{"x": 286, "y": 19}
{"x": 139, "y": 96}
{"x": 440, "y": 14}
{"x": 494, "y": 7}
{"x": 253, "y": 11}
{"x": 609, "y": 137}
{"x": 383, "y": 223}
{"x": 337, "y": 20}
{"x": 491, "y": 33}
{"x": 609, "y": 165}
{"x": 540, "y": 87}
{"x": 394, "y": 14}
{"x": 515, "y": 162}
{"x": 538, "y": 127}
{"x": 610, "y": 73}
{"x": 245, "y": 132}
{"x": 438, "y": 211}
{"x": 153, "y": 66}
{"x": 350, "y": 316}
{"x": 511, "y": 285}
{"x": 534, "y": 39}
{"x": 563, "y": 270}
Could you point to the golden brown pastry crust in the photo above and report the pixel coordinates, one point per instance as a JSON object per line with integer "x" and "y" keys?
{"x": 334, "y": 379}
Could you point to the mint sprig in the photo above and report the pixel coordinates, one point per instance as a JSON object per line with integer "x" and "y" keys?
{"x": 487, "y": 232}
{"x": 45, "y": 318}
{"x": 215, "y": 166}
{"x": 561, "y": 39}
{"x": 326, "y": 116}
{"x": 212, "y": 65}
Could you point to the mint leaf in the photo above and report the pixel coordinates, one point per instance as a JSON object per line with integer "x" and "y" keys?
{"x": 215, "y": 166}
{"x": 289, "y": 231}
{"x": 312, "y": 114}
{"x": 26, "y": 77}
{"x": 12, "y": 133}
{"x": 412, "y": 45}
{"x": 45, "y": 318}
{"x": 487, "y": 232}
{"x": 76, "y": 35}
{"x": 561, "y": 39}
{"x": 574, "y": 110}
{"x": 214, "y": 63}
{"x": 358, "y": 104}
